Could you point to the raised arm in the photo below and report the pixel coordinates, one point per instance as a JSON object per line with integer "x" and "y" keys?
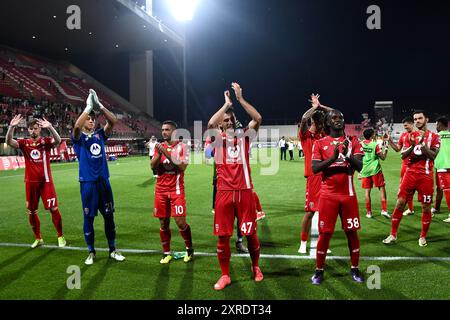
{"x": 252, "y": 112}
{"x": 110, "y": 117}
{"x": 215, "y": 120}
{"x": 394, "y": 146}
{"x": 316, "y": 103}
{"x": 44, "y": 123}
{"x": 9, "y": 135}
{"x": 78, "y": 127}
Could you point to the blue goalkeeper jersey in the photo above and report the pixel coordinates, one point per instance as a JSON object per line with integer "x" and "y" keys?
{"x": 90, "y": 150}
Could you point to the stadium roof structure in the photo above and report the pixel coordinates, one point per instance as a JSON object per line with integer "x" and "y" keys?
{"x": 107, "y": 26}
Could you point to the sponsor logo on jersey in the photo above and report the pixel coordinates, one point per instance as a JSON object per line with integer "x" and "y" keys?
{"x": 35, "y": 154}
{"x": 95, "y": 149}
{"x": 418, "y": 150}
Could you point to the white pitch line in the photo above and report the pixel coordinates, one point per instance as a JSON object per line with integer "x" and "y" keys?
{"x": 266, "y": 256}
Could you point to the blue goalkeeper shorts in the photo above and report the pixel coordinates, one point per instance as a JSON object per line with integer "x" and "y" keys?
{"x": 97, "y": 196}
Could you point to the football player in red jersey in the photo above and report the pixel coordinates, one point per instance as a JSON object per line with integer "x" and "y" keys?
{"x": 38, "y": 176}
{"x": 337, "y": 157}
{"x": 234, "y": 184}
{"x": 403, "y": 144}
{"x": 170, "y": 160}
{"x": 424, "y": 147}
{"x": 307, "y": 137}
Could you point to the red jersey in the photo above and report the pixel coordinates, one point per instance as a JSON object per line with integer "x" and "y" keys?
{"x": 232, "y": 156}
{"x": 307, "y": 140}
{"x": 338, "y": 177}
{"x": 37, "y": 159}
{"x": 417, "y": 161}
{"x": 404, "y": 143}
{"x": 170, "y": 178}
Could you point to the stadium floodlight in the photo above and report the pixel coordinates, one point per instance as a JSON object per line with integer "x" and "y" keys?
{"x": 182, "y": 10}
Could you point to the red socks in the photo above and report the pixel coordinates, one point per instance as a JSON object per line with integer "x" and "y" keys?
{"x": 224, "y": 254}
{"x": 165, "y": 236}
{"x": 410, "y": 205}
{"x": 368, "y": 207}
{"x": 426, "y": 221}
{"x": 35, "y": 223}
{"x": 353, "y": 246}
{"x": 304, "y": 236}
{"x": 447, "y": 197}
{"x": 186, "y": 234}
{"x": 322, "y": 246}
{"x": 396, "y": 218}
{"x": 384, "y": 205}
{"x": 253, "y": 248}
{"x": 57, "y": 221}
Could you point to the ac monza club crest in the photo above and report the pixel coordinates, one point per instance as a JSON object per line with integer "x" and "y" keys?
{"x": 35, "y": 154}
{"x": 233, "y": 152}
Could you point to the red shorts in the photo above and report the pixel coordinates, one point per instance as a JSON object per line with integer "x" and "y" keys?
{"x": 443, "y": 180}
{"x": 230, "y": 204}
{"x": 44, "y": 190}
{"x": 423, "y": 183}
{"x": 375, "y": 180}
{"x": 313, "y": 184}
{"x": 169, "y": 204}
{"x": 332, "y": 206}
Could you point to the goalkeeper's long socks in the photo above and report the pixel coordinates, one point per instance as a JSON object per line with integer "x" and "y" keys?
{"x": 110, "y": 230}
{"x": 89, "y": 235}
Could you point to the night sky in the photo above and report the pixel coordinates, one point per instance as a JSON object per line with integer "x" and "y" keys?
{"x": 282, "y": 51}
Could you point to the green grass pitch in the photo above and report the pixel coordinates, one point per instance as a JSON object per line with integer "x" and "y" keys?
{"x": 42, "y": 273}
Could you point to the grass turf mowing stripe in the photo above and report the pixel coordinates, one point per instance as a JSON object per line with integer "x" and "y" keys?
{"x": 267, "y": 256}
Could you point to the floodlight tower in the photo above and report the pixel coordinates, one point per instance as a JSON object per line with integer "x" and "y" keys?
{"x": 183, "y": 11}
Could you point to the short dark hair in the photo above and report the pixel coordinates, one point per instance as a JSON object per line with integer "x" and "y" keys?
{"x": 318, "y": 116}
{"x": 420, "y": 111}
{"x": 230, "y": 110}
{"x": 171, "y": 123}
{"x": 368, "y": 133}
{"x": 32, "y": 122}
{"x": 408, "y": 119}
{"x": 442, "y": 120}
